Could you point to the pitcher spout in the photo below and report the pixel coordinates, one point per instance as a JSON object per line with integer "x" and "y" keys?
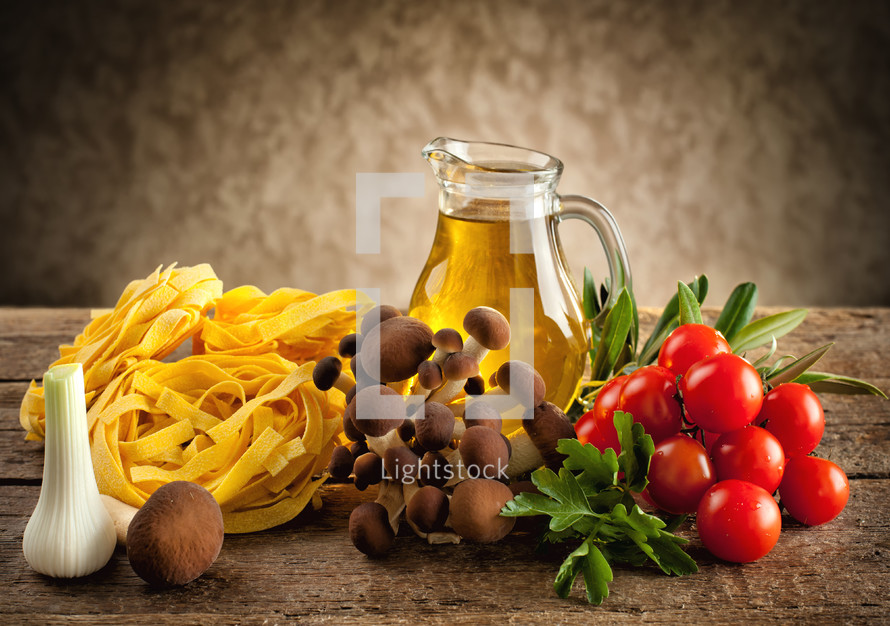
{"x": 494, "y": 164}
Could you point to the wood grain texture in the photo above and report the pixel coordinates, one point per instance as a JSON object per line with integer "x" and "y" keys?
{"x": 308, "y": 571}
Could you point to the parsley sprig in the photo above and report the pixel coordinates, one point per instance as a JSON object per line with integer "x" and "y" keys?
{"x": 591, "y": 499}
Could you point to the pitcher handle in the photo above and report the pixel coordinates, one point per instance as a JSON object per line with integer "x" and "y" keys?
{"x": 602, "y": 221}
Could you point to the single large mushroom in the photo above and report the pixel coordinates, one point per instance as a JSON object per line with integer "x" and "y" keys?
{"x": 475, "y": 510}
{"x": 488, "y": 330}
{"x": 392, "y": 350}
{"x": 176, "y": 535}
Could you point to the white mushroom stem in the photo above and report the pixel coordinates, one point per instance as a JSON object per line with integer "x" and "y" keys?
{"x": 379, "y": 445}
{"x": 121, "y": 514}
{"x": 344, "y": 382}
{"x": 392, "y": 498}
{"x": 447, "y": 392}
{"x": 525, "y": 455}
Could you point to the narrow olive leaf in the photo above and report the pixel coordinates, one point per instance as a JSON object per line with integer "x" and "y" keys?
{"x": 625, "y": 282}
{"x": 589, "y": 298}
{"x": 615, "y": 331}
{"x": 798, "y": 367}
{"x": 700, "y": 288}
{"x": 690, "y": 312}
{"x": 738, "y": 310}
{"x": 653, "y": 345}
{"x": 669, "y": 320}
{"x": 769, "y": 354}
{"x": 764, "y": 330}
{"x": 834, "y": 383}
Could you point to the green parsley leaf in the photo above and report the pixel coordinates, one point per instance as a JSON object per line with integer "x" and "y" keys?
{"x": 586, "y": 500}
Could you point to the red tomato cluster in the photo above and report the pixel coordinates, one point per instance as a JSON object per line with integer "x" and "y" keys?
{"x": 754, "y": 443}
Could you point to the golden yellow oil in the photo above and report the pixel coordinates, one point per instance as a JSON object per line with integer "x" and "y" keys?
{"x": 471, "y": 265}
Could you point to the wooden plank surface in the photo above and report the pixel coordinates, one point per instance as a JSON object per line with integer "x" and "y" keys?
{"x": 308, "y": 571}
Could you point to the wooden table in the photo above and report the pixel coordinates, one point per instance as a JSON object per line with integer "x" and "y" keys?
{"x": 307, "y": 570}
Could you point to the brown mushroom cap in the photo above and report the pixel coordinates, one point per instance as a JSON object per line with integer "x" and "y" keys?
{"x": 484, "y": 453}
{"x": 493, "y": 379}
{"x": 351, "y": 394}
{"x": 326, "y": 372}
{"x": 488, "y": 326}
{"x": 368, "y": 470}
{"x": 378, "y": 315}
{"x": 369, "y": 528}
{"x": 481, "y": 413}
{"x": 406, "y": 430}
{"x": 435, "y": 469}
{"x": 340, "y": 465}
{"x": 429, "y": 375}
{"x": 349, "y": 345}
{"x": 436, "y": 429}
{"x": 394, "y": 349}
{"x": 401, "y": 464}
{"x": 460, "y": 366}
{"x": 428, "y": 509}
{"x": 448, "y": 340}
{"x": 358, "y": 448}
{"x": 475, "y": 386}
{"x": 349, "y": 429}
{"x": 522, "y": 377}
{"x": 475, "y": 510}
{"x": 376, "y": 410}
{"x": 546, "y": 424}
{"x": 176, "y": 535}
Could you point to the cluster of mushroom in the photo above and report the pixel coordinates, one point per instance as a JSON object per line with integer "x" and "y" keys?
{"x": 437, "y": 452}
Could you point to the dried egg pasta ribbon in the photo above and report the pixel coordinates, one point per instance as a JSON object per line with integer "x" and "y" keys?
{"x": 152, "y": 318}
{"x": 258, "y": 462}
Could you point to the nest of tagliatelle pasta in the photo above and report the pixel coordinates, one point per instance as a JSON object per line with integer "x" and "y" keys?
{"x": 239, "y": 416}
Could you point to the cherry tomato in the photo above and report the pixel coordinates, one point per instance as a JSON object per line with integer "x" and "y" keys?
{"x": 586, "y": 429}
{"x": 794, "y": 415}
{"x": 604, "y": 408}
{"x": 680, "y": 472}
{"x": 814, "y": 490}
{"x": 738, "y": 521}
{"x": 722, "y": 393}
{"x": 649, "y": 395}
{"x": 689, "y": 344}
{"x": 751, "y": 454}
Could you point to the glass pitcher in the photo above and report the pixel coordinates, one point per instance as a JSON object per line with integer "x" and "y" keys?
{"x": 497, "y": 230}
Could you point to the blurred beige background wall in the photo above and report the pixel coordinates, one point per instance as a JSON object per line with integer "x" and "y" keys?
{"x": 744, "y": 140}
